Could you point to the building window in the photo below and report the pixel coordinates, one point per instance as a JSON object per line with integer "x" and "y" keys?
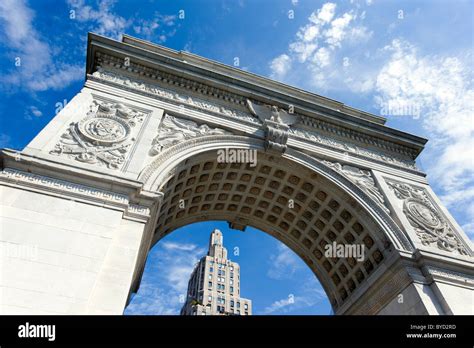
{"x": 231, "y": 289}
{"x": 209, "y": 284}
{"x": 238, "y": 305}
{"x": 246, "y": 306}
{"x": 231, "y": 282}
{"x": 211, "y": 269}
{"x": 232, "y": 274}
{"x": 210, "y": 276}
{"x": 209, "y": 298}
{"x": 232, "y": 303}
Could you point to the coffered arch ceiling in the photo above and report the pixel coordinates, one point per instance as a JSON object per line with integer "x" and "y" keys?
{"x": 198, "y": 188}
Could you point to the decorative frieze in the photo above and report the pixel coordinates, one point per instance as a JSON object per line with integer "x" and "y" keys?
{"x": 463, "y": 278}
{"x": 103, "y": 137}
{"x": 174, "y": 130}
{"x": 73, "y": 190}
{"x": 104, "y": 60}
{"x": 58, "y": 185}
{"x": 362, "y": 179}
{"x": 359, "y": 137}
{"x": 347, "y": 146}
{"x": 180, "y": 99}
{"x": 428, "y": 222}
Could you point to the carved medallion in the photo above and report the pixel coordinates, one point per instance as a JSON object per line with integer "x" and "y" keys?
{"x": 422, "y": 214}
{"x": 429, "y": 224}
{"x": 104, "y": 130}
{"x": 103, "y": 137}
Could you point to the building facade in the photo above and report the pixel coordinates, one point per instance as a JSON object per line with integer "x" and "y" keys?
{"x": 214, "y": 285}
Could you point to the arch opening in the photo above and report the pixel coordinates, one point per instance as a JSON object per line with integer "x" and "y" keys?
{"x": 302, "y": 209}
{"x": 270, "y": 275}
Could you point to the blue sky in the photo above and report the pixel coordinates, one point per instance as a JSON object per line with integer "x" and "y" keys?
{"x": 409, "y": 60}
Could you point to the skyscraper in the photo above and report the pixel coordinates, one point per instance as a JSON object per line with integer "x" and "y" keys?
{"x": 214, "y": 285}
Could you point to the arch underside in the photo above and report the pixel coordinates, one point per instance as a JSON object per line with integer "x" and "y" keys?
{"x": 260, "y": 196}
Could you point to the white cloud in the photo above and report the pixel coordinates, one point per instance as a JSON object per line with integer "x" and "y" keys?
{"x": 338, "y": 30}
{"x": 173, "y": 264}
{"x": 178, "y": 246}
{"x": 35, "y": 68}
{"x": 280, "y": 66}
{"x": 308, "y": 297}
{"x": 325, "y": 14}
{"x": 33, "y": 112}
{"x": 102, "y": 19}
{"x": 283, "y": 264}
{"x": 322, "y": 57}
{"x": 319, "y": 43}
{"x": 156, "y": 29}
{"x": 65, "y": 75}
{"x": 279, "y": 304}
{"x": 180, "y": 260}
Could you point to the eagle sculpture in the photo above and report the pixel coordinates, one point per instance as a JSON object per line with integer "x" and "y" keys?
{"x": 272, "y": 113}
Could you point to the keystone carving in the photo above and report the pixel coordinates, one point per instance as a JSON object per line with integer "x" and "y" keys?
{"x": 276, "y": 122}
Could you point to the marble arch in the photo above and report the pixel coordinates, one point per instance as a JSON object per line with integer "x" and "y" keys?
{"x": 84, "y": 202}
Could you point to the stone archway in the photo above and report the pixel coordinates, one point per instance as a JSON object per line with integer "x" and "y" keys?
{"x": 100, "y": 184}
{"x": 260, "y": 196}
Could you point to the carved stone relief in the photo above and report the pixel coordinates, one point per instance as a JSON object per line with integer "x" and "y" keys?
{"x": 426, "y": 219}
{"x": 362, "y": 179}
{"x": 276, "y": 123}
{"x": 174, "y": 130}
{"x": 348, "y": 147}
{"x": 103, "y": 137}
{"x": 181, "y": 99}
